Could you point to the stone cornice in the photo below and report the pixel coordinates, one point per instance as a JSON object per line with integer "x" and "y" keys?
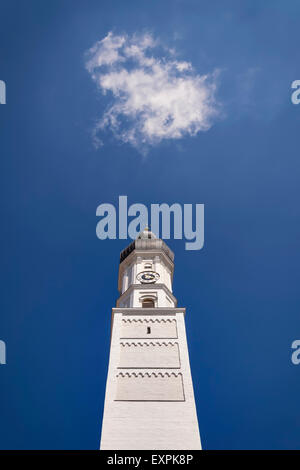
{"x": 162, "y": 311}
{"x": 143, "y": 343}
{"x": 149, "y": 374}
{"x": 148, "y": 320}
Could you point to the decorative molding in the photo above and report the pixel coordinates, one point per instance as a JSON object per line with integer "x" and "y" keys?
{"x": 150, "y": 320}
{"x": 148, "y": 343}
{"x": 149, "y": 374}
{"x": 156, "y": 311}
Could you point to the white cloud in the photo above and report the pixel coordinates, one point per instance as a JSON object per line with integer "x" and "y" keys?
{"x": 154, "y": 96}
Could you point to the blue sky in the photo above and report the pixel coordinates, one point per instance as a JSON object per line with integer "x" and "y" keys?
{"x": 59, "y": 282}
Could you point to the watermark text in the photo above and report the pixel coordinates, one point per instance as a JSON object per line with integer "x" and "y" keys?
{"x": 295, "y": 97}
{"x": 296, "y": 352}
{"x": 178, "y": 221}
{"x": 2, "y": 92}
{"x": 2, "y": 352}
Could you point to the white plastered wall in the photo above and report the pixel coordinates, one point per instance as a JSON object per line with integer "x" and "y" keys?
{"x": 150, "y": 424}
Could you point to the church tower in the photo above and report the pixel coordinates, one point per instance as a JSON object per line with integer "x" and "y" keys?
{"x": 149, "y": 401}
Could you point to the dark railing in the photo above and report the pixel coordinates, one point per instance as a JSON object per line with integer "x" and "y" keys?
{"x": 147, "y": 244}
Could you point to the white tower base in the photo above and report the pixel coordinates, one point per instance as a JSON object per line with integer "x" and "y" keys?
{"x": 150, "y": 408}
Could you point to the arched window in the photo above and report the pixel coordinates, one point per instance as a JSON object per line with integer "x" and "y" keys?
{"x": 148, "y": 303}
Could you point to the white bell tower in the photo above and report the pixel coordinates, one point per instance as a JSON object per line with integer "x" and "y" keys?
{"x": 149, "y": 402}
{"x": 145, "y": 277}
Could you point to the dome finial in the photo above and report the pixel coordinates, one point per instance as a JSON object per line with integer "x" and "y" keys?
{"x": 146, "y": 234}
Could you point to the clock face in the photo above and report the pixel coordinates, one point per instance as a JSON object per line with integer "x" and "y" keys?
{"x": 147, "y": 277}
